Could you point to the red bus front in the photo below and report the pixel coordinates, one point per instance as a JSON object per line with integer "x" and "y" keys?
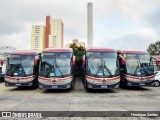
{"x": 21, "y": 69}
{"x": 138, "y": 69}
{"x": 101, "y": 69}
{"x": 55, "y": 70}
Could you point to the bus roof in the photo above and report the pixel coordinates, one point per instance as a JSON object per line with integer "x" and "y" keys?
{"x": 100, "y": 50}
{"x": 58, "y": 50}
{"x": 133, "y": 52}
{"x": 25, "y": 52}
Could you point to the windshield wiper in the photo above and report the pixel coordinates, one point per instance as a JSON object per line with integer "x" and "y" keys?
{"x": 145, "y": 68}
{"x": 107, "y": 69}
{"x": 58, "y": 68}
{"x": 17, "y": 65}
{"x": 98, "y": 70}
{"x": 138, "y": 66}
{"x": 50, "y": 68}
{"x": 54, "y": 69}
{"x": 12, "y": 71}
{"x": 22, "y": 68}
{"x": 102, "y": 67}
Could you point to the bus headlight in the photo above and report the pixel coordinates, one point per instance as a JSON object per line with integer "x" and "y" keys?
{"x": 6, "y": 79}
{"x": 67, "y": 81}
{"x": 29, "y": 79}
{"x": 90, "y": 80}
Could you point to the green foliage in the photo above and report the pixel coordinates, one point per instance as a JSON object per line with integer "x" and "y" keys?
{"x": 78, "y": 51}
{"x": 154, "y": 48}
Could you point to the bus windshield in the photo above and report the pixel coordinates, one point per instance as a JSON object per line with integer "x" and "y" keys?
{"x": 56, "y": 64}
{"x": 102, "y": 64}
{"x": 20, "y": 65}
{"x": 139, "y": 64}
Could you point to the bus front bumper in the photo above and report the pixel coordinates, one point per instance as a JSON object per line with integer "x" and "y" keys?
{"x": 10, "y": 84}
{"x": 102, "y": 86}
{"x": 21, "y": 81}
{"x": 149, "y": 83}
{"x": 64, "y": 86}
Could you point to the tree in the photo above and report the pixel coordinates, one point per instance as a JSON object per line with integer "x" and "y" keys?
{"x": 78, "y": 51}
{"x": 154, "y": 48}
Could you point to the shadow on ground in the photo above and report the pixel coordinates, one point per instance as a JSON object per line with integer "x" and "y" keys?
{"x": 23, "y": 88}
{"x": 101, "y": 91}
{"x": 135, "y": 88}
{"x": 56, "y": 91}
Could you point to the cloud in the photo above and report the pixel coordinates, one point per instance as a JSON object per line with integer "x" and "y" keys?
{"x": 135, "y": 24}
{"x": 18, "y": 16}
{"x": 15, "y": 41}
{"x": 135, "y": 41}
{"x": 113, "y": 19}
{"x": 143, "y": 12}
{"x": 18, "y": 13}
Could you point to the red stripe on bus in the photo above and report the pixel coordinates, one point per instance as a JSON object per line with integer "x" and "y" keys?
{"x": 19, "y": 78}
{"x": 145, "y": 77}
{"x": 100, "y": 79}
{"x": 59, "y": 79}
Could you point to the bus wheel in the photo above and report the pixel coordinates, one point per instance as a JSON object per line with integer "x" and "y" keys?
{"x": 72, "y": 85}
{"x": 156, "y": 83}
{"x": 86, "y": 85}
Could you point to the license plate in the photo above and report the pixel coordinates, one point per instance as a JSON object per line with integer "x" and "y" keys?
{"x": 103, "y": 86}
{"x": 54, "y": 86}
{"x": 17, "y": 84}
{"x": 142, "y": 84}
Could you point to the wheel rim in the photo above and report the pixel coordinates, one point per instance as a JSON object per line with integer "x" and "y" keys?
{"x": 156, "y": 83}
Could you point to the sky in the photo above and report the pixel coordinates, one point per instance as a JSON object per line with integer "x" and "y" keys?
{"x": 117, "y": 24}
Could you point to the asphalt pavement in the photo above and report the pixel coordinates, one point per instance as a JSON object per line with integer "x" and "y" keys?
{"x": 78, "y": 99}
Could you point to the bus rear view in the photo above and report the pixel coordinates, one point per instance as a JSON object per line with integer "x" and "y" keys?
{"x": 21, "y": 69}
{"x": 138, "y": 69}
{"x": 56, "y": 68}
{"x": 101, "y": 69}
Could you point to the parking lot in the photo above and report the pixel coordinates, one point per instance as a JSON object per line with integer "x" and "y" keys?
{"x": 78, "y": 99}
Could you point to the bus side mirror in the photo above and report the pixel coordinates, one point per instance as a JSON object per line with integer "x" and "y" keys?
{"x": 1, "y": 62}
{"x": 35, "y": 61}
{"x": 123, "y": 61}
{"x": 84, "y": 60}
{"x": 73, "y": 60}
{"x": 156, "y": 60}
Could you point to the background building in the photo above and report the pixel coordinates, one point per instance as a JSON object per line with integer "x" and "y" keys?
{"x": 38, "y": 37}
{"x": 76, "y": 42}
{"x": 56, "y": 33}
{"x": 50, "y": 35}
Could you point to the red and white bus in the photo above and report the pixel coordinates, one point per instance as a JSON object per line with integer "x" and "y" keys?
{"x": 22, "y": 69}
{"x": 55, "y": 70}
{"x": 138, "y": 68}
{"x": 101, "y": 69}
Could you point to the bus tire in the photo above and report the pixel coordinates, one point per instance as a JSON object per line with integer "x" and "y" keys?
{"x": 72, "y": 84}
{"x": 86, "y": 85}
{"x": 156, "y": 83}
